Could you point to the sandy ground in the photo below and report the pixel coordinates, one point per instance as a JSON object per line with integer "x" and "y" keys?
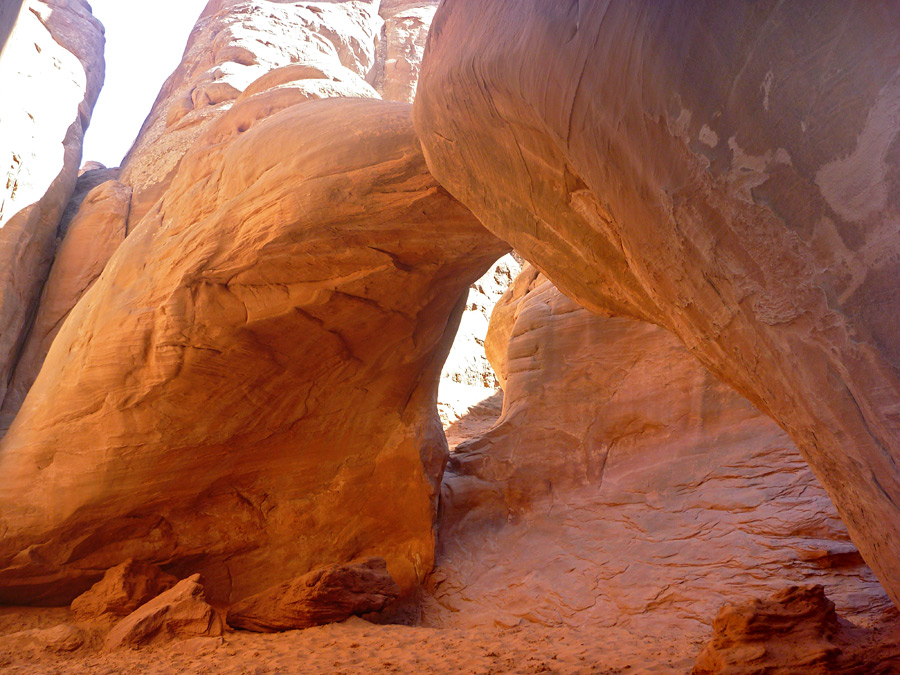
{"x": 356, "y": 647}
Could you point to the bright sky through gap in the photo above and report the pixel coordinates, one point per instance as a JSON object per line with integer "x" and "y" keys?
{"x": 144, "y": 44}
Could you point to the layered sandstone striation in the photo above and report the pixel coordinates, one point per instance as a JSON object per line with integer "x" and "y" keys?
{"x": 52, "y": 71}
{"x": 625, "y": 489}
{"x": 248, "y": 389}
{"x": 179, "y": 613}
{"x": 796, "y": 630}
{"x": 674, "y": 162}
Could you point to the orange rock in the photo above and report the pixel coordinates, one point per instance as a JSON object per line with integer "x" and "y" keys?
{"x": 796, "y": 630}
{"x": 324, "y": 595}
{"x": 624, "y": 489}
{"x": 248, "y": 389}
{"x": 53, "y": 62}
{"x": 122, "y": 590}
{"x": 181, "y": 612}
{"x": 91, "y": 238}
{"x": 334, "y": 49}
{"x": 675, "y": 162}
{"x": 233, "y": 45}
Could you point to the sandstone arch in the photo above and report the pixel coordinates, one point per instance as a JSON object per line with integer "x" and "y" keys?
{"x": 727, "y": 170}
{"x": 193, "y": 409}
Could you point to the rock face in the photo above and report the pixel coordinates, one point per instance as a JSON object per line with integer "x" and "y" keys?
{"x": 122, "y": 590}
{"x": 92, "y": 236}
{"x": 467, "y": 364}
{"x": 626, "y": 489}
{"x": 233, "y": 44}
{"x": 406, "y": 25}
{"x": 180, "y": 612}
{"x": 334, "y": 48}
{"x": 671, "y": 161}
{"x": 326, "y": 595}
{"x": 53, "y": 62}
{"x": 796, "y": 630}
{"x": 217, "y": 400}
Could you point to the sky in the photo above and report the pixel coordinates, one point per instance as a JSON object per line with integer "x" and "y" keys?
{"x": 144, "y": 43}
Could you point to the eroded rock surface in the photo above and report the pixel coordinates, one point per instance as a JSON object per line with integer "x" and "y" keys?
{"x": 406, "y": 25}
{"x": 180, "y": 612}
{"x": 122, "y": 590}
{"x": 51, "y": 69}
{"x": 796, "y": 630}
{"x": 624, "y": 489}
{"x": 674, "y": 162}
{"x": 248, "y": 389}
{"x": 325, "y": 595}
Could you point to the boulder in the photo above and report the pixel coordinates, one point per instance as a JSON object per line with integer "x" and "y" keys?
{"x": 676, "y": 162}
{"x": 325, "y": 595}
{"x": 122, "y": 590}
{"x": 795, "y": 630}
{"x": 179, "y": 613}
{"x": 51, "y": 68}
{"x": 248, "y": 389}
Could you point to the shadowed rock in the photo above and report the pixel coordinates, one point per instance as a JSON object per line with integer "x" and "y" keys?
{"x": 325, "y": 595}
{"x": 181, "y": 612}
{"x": 122, "y": 590}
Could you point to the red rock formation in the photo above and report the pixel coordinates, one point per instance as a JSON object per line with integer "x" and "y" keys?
{"x": 248, "y": 389}
{"x": 796, "y": 630}
{"x": 626, "y": 490}
{"x": 325, "y": 595}
{"x": 406, "y": 24}
{"x": 332, "y": 49}
{"x": 180, "y": 612}
{"x": 51, "y": 69}
{"x": 683, "y": 163}
{"x": 94, "y": 234}
{"x": 122, "y": 590}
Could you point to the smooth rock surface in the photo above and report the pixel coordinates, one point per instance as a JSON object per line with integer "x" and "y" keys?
{"x": 93, "y": 235}
{"x": 678, "y": 162}
{"x": 625, "y": 490}
{"x": 122, "y": 590}
{"x": 248, "y": 389}
{"x": 325, "y": 595}
{"x": 236, "y": 42}
{"x": 180, "y": 612}
{"x": 51, "y": 69}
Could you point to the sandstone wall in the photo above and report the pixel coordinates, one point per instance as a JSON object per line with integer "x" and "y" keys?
{"x": 626, "y": 491}
{"x": 51, "y": 69}
{"x": 707, "y": 166}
